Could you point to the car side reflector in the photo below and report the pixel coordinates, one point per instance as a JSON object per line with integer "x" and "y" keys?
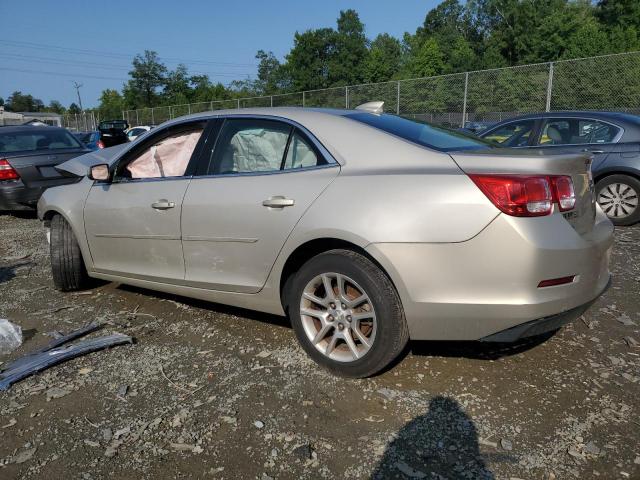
{"x": 556, "y": 281}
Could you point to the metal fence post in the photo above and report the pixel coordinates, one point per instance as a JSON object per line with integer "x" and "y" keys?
{"x": 123, "y": 114}
{"x": 272, "y": 100}
{"x": 398, "y": 99}
{"x": 464, "y": 101}
{"x": 346, "y": 97}
{"x": 549, "y": 87}
{"x": 303, "y": 98}
{"x": 153, "y": 119}
{"x": 211, "y": 105}
{"x": 238, "y": 103}
{"x": 137, "y": 118}
{"x": 189, "y": 106}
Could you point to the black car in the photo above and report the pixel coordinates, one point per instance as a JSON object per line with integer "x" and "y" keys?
{"x": 28, "y": 156}
{"x": 613, "y": 139}
{"x": 112, "y": 132}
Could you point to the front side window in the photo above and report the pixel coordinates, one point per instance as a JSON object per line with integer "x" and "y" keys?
{"x": 168, "y": 157}
{"x": 576, "y": 131}
{"x": 514, "y": 134}
{"x": 249, "y": 146}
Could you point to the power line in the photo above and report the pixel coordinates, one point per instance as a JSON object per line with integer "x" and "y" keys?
{"x": 105, "y": 66}
{"x": 81, "y": 51}
{"x": 81, "y": 75}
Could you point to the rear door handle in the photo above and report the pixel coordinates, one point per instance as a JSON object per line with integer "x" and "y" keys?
{"x": 163, "y": 205}
{"x": 278, "y": 201}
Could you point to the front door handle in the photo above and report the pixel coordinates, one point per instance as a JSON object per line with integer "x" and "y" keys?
{"x": 278, "y": 202}
{"x": 163, "y": 205}
{"x": 588, "y": 150}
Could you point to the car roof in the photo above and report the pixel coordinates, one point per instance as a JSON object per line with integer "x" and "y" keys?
{"x": 28, "y": 128}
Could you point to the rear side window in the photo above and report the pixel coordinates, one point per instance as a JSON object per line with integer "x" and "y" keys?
{"x": 575, "y": 131}
{"x": 301, "y": 154}
{"x": 37, "y": 140}
{"x": 421, "y": 133}
{"x": 514, "y": 134}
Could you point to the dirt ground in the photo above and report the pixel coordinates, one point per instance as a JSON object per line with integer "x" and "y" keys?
{"x": 209, "y": 391}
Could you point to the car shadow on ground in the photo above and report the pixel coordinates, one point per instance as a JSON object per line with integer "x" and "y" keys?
{"x": 442, "y": 443}
{"x": 467, "y": 349}
{"x": 27, "y": 214}
{"x": 277, "y": 320}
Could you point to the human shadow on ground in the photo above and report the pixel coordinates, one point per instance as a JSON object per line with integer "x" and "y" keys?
{"x": 441, "y": 444}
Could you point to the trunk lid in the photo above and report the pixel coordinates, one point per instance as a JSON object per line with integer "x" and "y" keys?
{"x": 538, "y": 162}
{"x": 38, "y": 169}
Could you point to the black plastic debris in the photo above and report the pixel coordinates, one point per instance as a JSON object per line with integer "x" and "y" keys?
{"x": 57, "y": 352}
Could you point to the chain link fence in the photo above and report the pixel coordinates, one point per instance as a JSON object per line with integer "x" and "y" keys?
{"x": 81, "y": 122}
{"x": 608, "y": 82}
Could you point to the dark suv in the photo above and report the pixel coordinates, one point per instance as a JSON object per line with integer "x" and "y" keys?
{"x": 612, "y": 138}
{"x": 112, "y": 132}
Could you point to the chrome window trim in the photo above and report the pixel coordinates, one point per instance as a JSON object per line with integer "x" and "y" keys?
{"x": 268, "y": 172}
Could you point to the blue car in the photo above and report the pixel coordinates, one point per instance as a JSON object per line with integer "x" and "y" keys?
{"x": 89, "y": 139}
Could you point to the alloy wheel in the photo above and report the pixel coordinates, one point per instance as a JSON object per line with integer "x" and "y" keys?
{"x": 618, "y": 200}
{"x": 338, "y": 317}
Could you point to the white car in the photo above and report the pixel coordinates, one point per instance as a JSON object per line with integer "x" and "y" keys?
{"x": 135, "y": 132}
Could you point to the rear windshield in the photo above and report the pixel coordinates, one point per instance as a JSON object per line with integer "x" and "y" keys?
{"x": 37, "y": 140}
{"x": 113, "y": 124}
{"x": 422, "y": 133}
{"x": 83, "y": 137}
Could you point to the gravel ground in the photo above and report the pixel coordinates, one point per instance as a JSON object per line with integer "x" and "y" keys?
{"x": 209, "y": 391}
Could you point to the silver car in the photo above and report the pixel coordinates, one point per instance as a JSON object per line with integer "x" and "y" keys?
{"x": 365, "y": 229}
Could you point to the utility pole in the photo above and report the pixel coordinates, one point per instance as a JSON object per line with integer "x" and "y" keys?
{"x": 77, "y": 87}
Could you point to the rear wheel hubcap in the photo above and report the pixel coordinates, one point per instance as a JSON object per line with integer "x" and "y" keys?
{"x": 618, "y": 200}
{"x": 338, "y": 317}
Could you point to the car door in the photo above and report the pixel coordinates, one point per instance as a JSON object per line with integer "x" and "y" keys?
{"x": 132, "y": 223}
{"x": 580, "y": 135}
{"x": 255, "y": 185}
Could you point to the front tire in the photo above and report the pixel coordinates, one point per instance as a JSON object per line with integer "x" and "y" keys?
{"x": 67, "y": 265}
{"x": 618, "y": 197}
{"x": 347, "y": 314}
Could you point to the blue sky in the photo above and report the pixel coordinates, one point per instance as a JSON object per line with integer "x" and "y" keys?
{"x": 214, "y": 37}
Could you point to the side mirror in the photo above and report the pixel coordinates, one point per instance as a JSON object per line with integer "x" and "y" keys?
{"x": 99, "y": 172}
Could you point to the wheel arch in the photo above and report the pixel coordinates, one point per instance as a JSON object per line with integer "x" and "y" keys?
{"x": 630, "y": 172}
{"x": 309, "y": 249}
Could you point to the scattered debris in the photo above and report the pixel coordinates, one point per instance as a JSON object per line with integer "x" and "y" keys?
{"x": 506, "y": 444}
{"x": 258, "y": 424}
{"x": 55, "y": 353}
{"x": 303, "y": 452}
{"x": 625, "y": 320}
{"x": 10, "y": 336}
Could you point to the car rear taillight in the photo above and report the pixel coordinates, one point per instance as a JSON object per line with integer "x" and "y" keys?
{"x": 527, "y": 195}
{"x": 563, "y": 192}
{"x": 100, "y": 144}
{"x": 7, "y": 172}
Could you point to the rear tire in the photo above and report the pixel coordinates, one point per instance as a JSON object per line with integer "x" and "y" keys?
{"x": 362, "y": 315}
{"x": 619, "y": 195}
{"x": 67, "y": 265}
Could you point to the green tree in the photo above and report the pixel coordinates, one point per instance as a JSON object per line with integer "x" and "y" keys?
{"x": 273, "y": 76}
{"x": 73, "y": 109}
{"x": 310, "y": 57}
{"x": 111, "y": 104}
{"x": 18, "y": 102}
{"x": 56, "y": 107}
{"x": 147, "y": 77}
{"x": 619, "y": 13}
{"x": 426, "y": 59}
{"x": 384, "y": 59}
{"x": 177, "y": 88}
{"x": 349, "y": 52}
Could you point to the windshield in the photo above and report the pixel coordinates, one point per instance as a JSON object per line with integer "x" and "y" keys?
{"x": 422, "y": 133}
{"x": 37, "y": 140}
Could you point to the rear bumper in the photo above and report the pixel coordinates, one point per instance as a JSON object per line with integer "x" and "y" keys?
{"x": 489, "y": 285}
{"x": 15, "y": 196}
